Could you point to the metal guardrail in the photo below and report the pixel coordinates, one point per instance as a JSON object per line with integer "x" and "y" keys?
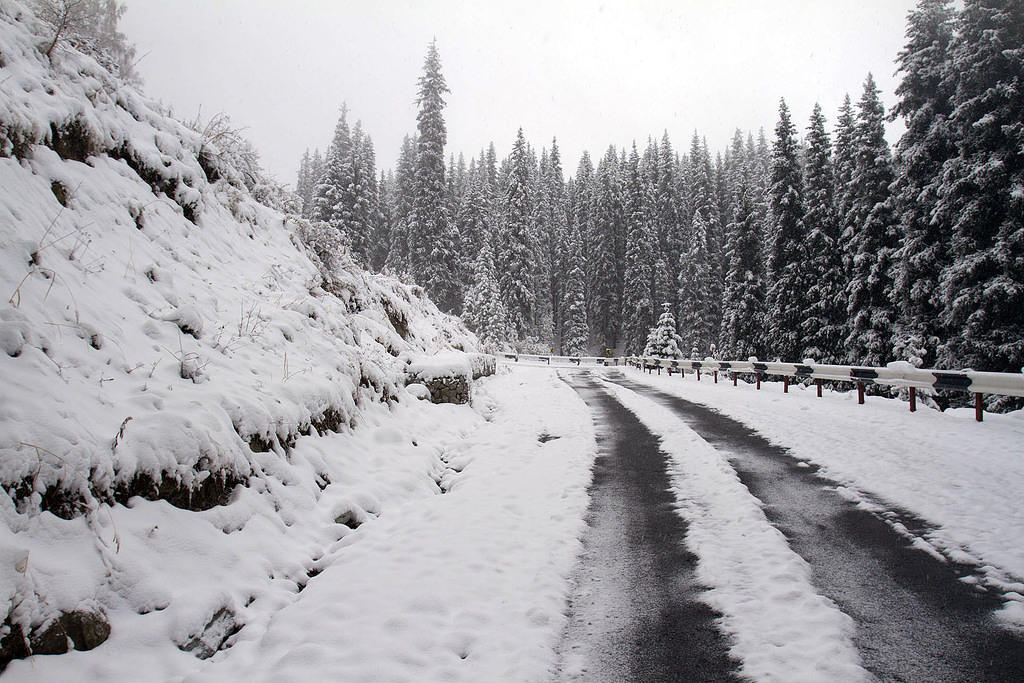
{"x": 566, "y": 360}
{"x": 978, "y": 383}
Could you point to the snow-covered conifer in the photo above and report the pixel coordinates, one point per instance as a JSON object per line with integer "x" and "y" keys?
{"x": 663, "y": 340}
{"x": 983, "y": 191}
{"x": 641, "y": 240}
{"x": 925, "y": 103}
{"x": 517, "y": 249}
{"x": 786, "y": 299}
{"x": 823, "y": 331}
{"x": 870, "y": 237}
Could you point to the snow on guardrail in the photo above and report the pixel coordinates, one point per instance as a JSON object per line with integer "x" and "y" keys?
{"x": 898, "y": 374}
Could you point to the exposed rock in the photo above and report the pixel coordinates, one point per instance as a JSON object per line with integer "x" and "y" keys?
{"x": 215, "y": 634}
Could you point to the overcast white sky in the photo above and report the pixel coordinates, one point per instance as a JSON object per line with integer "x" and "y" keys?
{"x": 591, "y": 73}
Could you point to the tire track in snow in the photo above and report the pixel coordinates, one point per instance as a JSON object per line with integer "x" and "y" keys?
{"x": 635, "y": 613}
{"x": 916, "y": 620}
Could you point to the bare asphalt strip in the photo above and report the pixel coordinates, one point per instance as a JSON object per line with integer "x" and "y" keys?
{"x": 916, "y": 620}
{"x": 635, "y": 614}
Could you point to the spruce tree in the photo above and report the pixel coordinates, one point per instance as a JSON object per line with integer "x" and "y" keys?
{"x": 786, "y": 300}
{"x": 663, "y": 341}
{"x": 332, "y": 202}
{"x": 484, "y": 311}
{"x": 517, "y": 243}
{"x": 603, "y": 286}
{"x": 574, "y": 332}
{"x": 925, "y": 96}
{"x": 401, "y": 199}
{"x": 823, "y": 325}
{"x": 433, "y": 244}
{"x": 870, "y": 238}
{"x": 694, "y": 288}
{"x": 743, "y": 307}
{"x": 983, "y": 192}
{"x": 641, "y": 240}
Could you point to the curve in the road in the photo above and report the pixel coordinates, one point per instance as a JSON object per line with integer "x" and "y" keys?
{"x": 916, "y": 620}
{"x": 635, "y": 614}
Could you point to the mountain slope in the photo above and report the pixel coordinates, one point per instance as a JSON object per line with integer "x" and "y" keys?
{"x": 164, "y": 334}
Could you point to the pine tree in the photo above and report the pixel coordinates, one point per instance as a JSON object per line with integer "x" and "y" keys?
{"x": 604, "y": 287}
{"x": 870, "y": 238}
{"x": 743, "y": 307}
{"x": 694, "y": 288}
{"x": 641, "y": 240}
{"x": 983, "y": 192}
{"x": 364, "y": 212}
{"x": 574, "y": 332}
{"x": 304, "y": 186}
{"x": 554, "y": 222}
{"x": 401, "y": 199}
{"x": 484, "y": 312}
{"x": 517, "y": 244}
{"x": 433, "y": 244}
{"x": 786, "y": 300}
{"x": 332, "y": 202}
{"x": 823, "y": 329}
{"x": 925, "y": 103}
{"x": 668, "y": 224}
{"x": 663, "y": 341}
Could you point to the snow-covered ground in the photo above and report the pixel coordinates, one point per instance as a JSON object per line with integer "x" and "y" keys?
{"x": 962, "y": 476}
{"x": 465, "y": 586}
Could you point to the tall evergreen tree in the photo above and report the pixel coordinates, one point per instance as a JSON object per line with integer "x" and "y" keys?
{"x": 484, "y": 312}
{"x": 787, "y": 281}
{"x": 983, "y": 192}
{"x": 332, "y": 202}
{"x": 574, "y": 332}
{"x": 433, "y": 245}
{"x": 400, "y": 207}
{"x": 554, "y": 220}
{"x": 695, "y": 326}
{"x": 604, "y": 287}
{"x": 870, "y": 237}
{"x": 517, "y": 243}
{"x": 925, "y": 96}
{"x": 823, "y": 329}
{"x": 641, "y": 240}
{"x": 743, "y": 306}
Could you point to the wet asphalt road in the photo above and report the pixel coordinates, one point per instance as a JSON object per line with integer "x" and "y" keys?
{"x": 916, "y": 621}
{"x": 634, "y": 615}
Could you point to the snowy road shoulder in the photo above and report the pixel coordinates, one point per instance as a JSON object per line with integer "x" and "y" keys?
{"x": 466, "y": 586}
{"x": 781, "y": 628}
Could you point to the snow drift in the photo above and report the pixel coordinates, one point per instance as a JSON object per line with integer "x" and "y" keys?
{"x": 163, "y": 333}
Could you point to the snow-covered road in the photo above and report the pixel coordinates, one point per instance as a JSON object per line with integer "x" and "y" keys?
{"x": 917, "y": 616}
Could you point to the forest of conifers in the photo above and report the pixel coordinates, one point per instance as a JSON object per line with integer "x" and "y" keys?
{"x": 813, "y": 241}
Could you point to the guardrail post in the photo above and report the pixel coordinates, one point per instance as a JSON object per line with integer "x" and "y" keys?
{"x": 785, "y": 384}
{"x": 913, "y": 399}
{"x": 734, "y": 379}
{"x": 698, "y": 374}
{"x": 860, "y": 393}
{"x": 979, "y": 407}
{"x": 716, "y": 376}
{"x": 818, "y": 382}
{"x": 758, "y": 374}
